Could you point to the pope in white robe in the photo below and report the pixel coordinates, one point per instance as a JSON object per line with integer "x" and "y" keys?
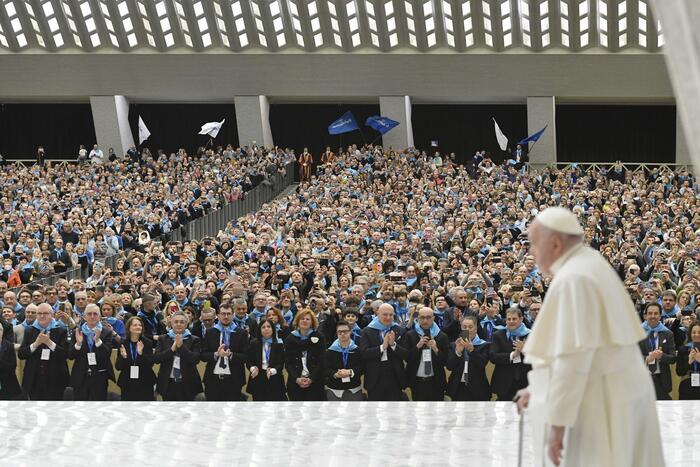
{"x": 590, "y": 399}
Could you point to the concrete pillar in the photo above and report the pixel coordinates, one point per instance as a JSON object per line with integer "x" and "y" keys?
{"x": 111, "y": 117}
{"x": 253, "y": 121}
{"x": 397, "y": 108}
{"x": 682, "y": 151}
{"x": 541, "y": 111}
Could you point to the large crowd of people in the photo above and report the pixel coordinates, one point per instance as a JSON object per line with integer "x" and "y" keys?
{"x": 57, "y": 216}
{"x": 386, "y": 275}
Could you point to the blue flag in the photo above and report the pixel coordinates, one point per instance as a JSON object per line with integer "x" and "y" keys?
{"x": 344, "y": 124}
{"x": 381, "y": 124}
{"x": 533, "y": 137}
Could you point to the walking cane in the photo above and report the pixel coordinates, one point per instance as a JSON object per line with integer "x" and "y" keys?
{"x": 520, "y": 439}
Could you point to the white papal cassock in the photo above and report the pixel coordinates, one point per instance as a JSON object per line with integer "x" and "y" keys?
{"x": 588, "y": 373}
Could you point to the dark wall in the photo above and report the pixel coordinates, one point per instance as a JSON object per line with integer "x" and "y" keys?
{"x": 299, "y": 125}
{"x": 465, "y": 129}
{"x": 175, "y": 126}
{"x": 59, "y": 128}
{"x": 597, "y": 133}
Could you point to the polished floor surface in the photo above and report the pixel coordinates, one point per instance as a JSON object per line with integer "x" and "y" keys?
{"x": 291, "y": 434}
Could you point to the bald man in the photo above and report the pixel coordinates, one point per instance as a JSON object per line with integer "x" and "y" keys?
{"x": 427, "y": 348}
{"x": 385, "y": 377}
{"x": 590, "y": 397}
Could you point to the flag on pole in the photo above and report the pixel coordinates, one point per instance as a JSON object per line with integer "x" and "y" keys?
{"x": 382, "y": 124}
{"x": 144, "y": 133}
{"x": 211, "y": 128}
{"x": 533, "y": 137}
{"x": 502, "y": 140}
{"x": 344, "y": 124}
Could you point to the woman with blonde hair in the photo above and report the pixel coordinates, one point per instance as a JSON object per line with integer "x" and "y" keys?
{"x": 304, "y": 350}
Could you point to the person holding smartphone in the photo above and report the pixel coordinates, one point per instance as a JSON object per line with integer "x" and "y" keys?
{"x": 427, "y": 349}
{"x": 467, "y": 360}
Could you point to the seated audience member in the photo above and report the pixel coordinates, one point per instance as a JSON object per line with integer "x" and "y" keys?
{"x": 688, "y": 365}
{"x": 505, "y": 352}
{"x": 265, "y": 363}
{"x": 467, "y": 360}
{"x": 658, "y": 349}
{"x": 135, "y": 363}
{"x": 427, "y": 348}
{"x": 45, "y": 349}
{"x": 385, "y": 377}
{"x": 178, "y": 353}
{"x": 304, "y": 349}
{"x": 343, "y": 367}
{"x": 225, "y": 350}
{"x": 91, "y": 353}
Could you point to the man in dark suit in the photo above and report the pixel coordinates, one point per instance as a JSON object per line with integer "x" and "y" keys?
{"x": 201, "y": 326}
{"x": 427, "y": 348}
{"x": 224, "y": 349}
{"x": 510, "y": 374}
{"x": 45, "y": 349}
{"x": 385, "y": 378}
{"x": 178, "y": 354}
{"x": 59, "y": 257}
{"x": 92, "y": 353}
{"x": 659, "y": 350}
{"x": 467, "y": 360}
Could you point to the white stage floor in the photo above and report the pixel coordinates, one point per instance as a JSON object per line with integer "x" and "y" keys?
{"x": 292, "y": 434}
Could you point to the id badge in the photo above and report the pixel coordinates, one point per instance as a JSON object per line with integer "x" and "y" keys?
{"x": 134, "y": 372}
{"x": 466, "y": 367}
{"x": 427, "y": 355}
{"x": 517, "y": 359}
{"x": 92, "y": 358}
{"x": 695, "y": 380}
{"x": 385, "y": 357}
{"x": 345, "y": 380}
{"x": 45, "y": 354}
{"x": 176, "y": 362}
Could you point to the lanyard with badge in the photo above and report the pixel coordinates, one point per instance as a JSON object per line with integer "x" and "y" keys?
{"x": 695, "y": 376}
{"x": 134, "y": 369}
{"x": 266, "y": 349}
{"x": 91, "y": 357}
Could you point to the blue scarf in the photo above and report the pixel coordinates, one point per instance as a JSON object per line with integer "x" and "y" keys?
{"x": 478, "y": 341}
{"x": 185, "y": 335}
{"x": 289, "y": 316}
{"x": 434, "y": 329}
{"x": 521, "y": 331}
{"x": 151, "y": 320}
{"x": 240, "y": 322}
{"x": 376, "y": 324}
{"x": 659, "y": 327}
{"x": 356, "y": 332}
{"x": 226, "y": 332}
{"x": 439, "y": 315}
{"x": 267, "y": 340}
{"x": 336, "y": 347}
{"x": 111, "y": 320}
{"x": 90, "y": 333}
{"x": 301, "y": 336}
{"x": 52, "y": 325}
{"x": 410, "y": 281}
{"x": 257, "y": 314}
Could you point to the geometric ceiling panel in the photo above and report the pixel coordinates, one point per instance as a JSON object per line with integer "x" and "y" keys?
{"x": 328, "y": 25}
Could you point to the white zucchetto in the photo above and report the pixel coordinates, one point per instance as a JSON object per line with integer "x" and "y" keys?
{"x": 560, "y": 220}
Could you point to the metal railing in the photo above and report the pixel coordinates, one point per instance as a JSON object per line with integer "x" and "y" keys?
{"x": 207, "y": 225}
{"x": 630, "y": 166}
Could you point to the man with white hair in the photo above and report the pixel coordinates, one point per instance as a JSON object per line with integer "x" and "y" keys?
{"x": 589, "y": 395}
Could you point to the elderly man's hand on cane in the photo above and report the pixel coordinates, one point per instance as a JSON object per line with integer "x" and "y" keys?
{"x": 555, "y": 441}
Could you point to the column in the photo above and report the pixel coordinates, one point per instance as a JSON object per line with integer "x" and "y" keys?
{"x": 397, "y": 108}
{"x": 253, "y": 121}
{"x": 541, "y": 111}
{"x": 111, "y": 117}
{"x": 682, "y": 151}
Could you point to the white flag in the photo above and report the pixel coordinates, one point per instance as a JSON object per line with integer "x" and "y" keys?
{"x": 502, "y": 140}
{"x": 143, "y": 131}
{"x": 211, "y": 128}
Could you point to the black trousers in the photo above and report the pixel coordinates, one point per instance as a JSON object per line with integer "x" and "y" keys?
{"x": 661, "y": 393}
{"x": 427, "y": 390}
{"x": 93, "y": 388}
{"x": 688, "y": 393}
{"x": 515, "y": 386}
{"x": 465, "y": 393}
{"x": 387, "y": 389}
{"x": 227, "y": 388}
{"x": 176, "y": 392}
{"x": 314, "y": 392}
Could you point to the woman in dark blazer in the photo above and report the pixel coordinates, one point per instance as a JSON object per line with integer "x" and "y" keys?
{"x": 343, "y": 366}
{"x": 178, "y": 344}
{"x": 279, "y": 325}
{"x": 265, "y": 363}
{"x": 136, "y": 351}
{"x": 688, "y": 362}
{"x": 304, "y": 350}
{"x": 470, "y": 350}
{"x": 9, "y": 386}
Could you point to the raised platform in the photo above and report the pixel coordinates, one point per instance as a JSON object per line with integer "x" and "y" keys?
{"x": 295, "y": 434}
